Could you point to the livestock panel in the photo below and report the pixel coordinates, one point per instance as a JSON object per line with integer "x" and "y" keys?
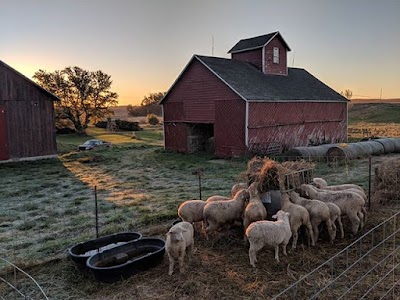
{"x": 229, "y": 128}
{"x": 176, "y": 136}
{"x": 3, "y": 135}
{"x": 297, "y": 124}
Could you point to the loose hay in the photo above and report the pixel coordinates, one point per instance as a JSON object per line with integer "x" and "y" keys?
{"x": 272, "y": 175}
{"x": 387, "y": 182}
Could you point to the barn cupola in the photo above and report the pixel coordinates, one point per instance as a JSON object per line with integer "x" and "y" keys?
{"x": 267, "y": 52}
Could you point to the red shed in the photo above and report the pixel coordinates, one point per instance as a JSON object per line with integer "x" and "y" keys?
{"x": 27, "y": 128}
{"x": 249, "y": 101}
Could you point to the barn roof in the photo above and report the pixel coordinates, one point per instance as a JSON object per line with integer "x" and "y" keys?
{"x": 251, "y": 84}
{"x": 30, "y": 81}
{"x": 256, "y": 42}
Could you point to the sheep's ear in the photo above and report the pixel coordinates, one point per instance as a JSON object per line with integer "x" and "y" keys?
{"x": 274, "y": 217}
{"x": 306, "y": 193}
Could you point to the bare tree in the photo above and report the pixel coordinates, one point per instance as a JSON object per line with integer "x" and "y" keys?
{"x": 347, "y": 93}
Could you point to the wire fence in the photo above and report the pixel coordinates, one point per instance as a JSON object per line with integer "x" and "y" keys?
{"x": 17, "y": 284}
{"x": 369, "y": 265}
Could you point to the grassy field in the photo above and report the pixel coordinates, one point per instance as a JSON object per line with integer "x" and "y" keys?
{"x": 47, "y": 206}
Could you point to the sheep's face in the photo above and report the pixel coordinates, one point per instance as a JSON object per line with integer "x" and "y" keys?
{"x": 243, "y": 195}
{"x": 302, "y": 190}
{"x": 293, "y": 195}
{"x": 281, "y": 215}
{"x": 176, "y": 234}
{"x": 253, "y": 190}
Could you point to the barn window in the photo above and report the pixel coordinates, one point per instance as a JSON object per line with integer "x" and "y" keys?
{"x": 276, "y": 55}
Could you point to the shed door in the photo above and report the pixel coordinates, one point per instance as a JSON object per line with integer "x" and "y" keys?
{"x": 3, "y": 135}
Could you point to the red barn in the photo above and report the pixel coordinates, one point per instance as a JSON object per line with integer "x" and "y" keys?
{"x": 252, "y": 100}
{"x": 27, "y": 128}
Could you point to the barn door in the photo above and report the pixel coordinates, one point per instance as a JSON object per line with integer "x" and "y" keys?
{"x": 3, "y": 135}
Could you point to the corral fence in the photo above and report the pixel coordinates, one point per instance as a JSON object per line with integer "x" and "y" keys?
{"x": 369, "y": 265}
{"x": 17, "y": 284}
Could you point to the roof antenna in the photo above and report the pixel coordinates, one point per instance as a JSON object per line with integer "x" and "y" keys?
{"x": 212, "y": 46}
{"x": 294, "y": 53}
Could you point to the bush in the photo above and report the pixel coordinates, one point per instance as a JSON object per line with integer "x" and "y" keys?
{"x": 152, "y": 119}
{"x": 126, "y": 125}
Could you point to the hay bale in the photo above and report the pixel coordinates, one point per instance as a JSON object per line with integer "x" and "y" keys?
{"x": 355, "y": 150}
{"x": 314, "y": 152}
{"x": 390, "y": 145}
{"x": 387, "y": 182}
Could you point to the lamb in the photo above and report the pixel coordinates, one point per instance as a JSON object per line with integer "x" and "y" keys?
{"x": 179, "y": 242}
{"x": 255, "y": 209}
{"x": 217, "y": 214}
{"x": 350, "y": 204}
{"x": 319, "y": 212}
{"x": 298, "y": 216}
{"x": 237, "y": 187}
{"x": 262, "y": 233}
{"x": 335, "y": 214}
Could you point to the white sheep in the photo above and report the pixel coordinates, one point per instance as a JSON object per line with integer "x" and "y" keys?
{"x": 237, "y": 187}
{"x": 255, "y": 209}
{"x": 262, "y": 233}
{"x": 319, "y": 212}
{"x": 179, "y": 242}
{"x": 298, "y": 216}
{"x": 322, "y": 184}
{"x": 335, "y": 214}
{"x": 218, "y": 214}
{"x": 191, "y": 211}
{"x": 350, "y": 203}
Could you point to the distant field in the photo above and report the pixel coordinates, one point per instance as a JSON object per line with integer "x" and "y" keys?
{"x": 392, "y": 100}
{"x": 374, "y": 113}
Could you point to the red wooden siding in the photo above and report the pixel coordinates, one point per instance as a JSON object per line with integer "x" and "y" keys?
{"x": 297, "y": 124}
{"x": 229, "y": 130}
{"x": 270, "y": 66}
{"x": 253, "y": 56}
{"x": 30, "y": 116}
{"x": 195, "y": 98}
{"x": 3, "y": 135}
{"x": 175, "y": 136}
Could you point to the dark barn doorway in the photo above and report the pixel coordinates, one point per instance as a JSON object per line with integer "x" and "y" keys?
{"x": 200, "y": 137}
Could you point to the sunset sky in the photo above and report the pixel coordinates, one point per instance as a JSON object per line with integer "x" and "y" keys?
{"x": 144, "y": 45}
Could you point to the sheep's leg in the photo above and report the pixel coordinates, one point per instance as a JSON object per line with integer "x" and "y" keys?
{"x": 339, "y": 221}
{"x": 255, "y": 246}
{"x": 284, "y": 249}
{"x": 189, "y": 251}
{"x": 310, "y": 233}
{"x": 277, "y": 252}
{"x": 171, "y": 264}
{"x": 355, "y": 221}
{"x": 364, "y": 210}
{"x": 315, "y": 230}
{"x": 295, "y": 237}
{"x": 331, "y": 231}
{"x": 361, "y": 216}
{"x": 181, "y": 262}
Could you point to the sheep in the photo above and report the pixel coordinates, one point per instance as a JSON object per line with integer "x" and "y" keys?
{"x": 179, "y": 241}
{"x": 350, "y": 204}
{"x": 335, "y": 214}
{"x": 262, "y": 233}
{"x": 237, "y": 187}
{"x": 319, "y": 212}
{"x": 298, "y": 216}
{"x": 217, "y": 214}
{"x": 191, "y": 210}
{"x": 255, "y": 209}
{"x": 217, "y": 198}
{"x": 322, "y": 184}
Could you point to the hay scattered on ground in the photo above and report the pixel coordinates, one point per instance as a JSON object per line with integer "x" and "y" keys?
{"x": 387, "y": 182}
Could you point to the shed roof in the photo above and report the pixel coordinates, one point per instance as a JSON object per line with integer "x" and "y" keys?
{"x": 256, "y": 42}
{"x": 251, "y": 84}
{"x": 30, "y": 81}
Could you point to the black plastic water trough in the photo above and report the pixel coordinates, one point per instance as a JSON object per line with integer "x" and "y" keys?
{"x": 125, "y": 260}
{"x": 82, "y": 251}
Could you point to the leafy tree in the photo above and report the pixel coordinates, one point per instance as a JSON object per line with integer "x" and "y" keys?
{"x": 347, "y": 93}
{"x": 84, "y": 94}
{"x": 152, "y": 99}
